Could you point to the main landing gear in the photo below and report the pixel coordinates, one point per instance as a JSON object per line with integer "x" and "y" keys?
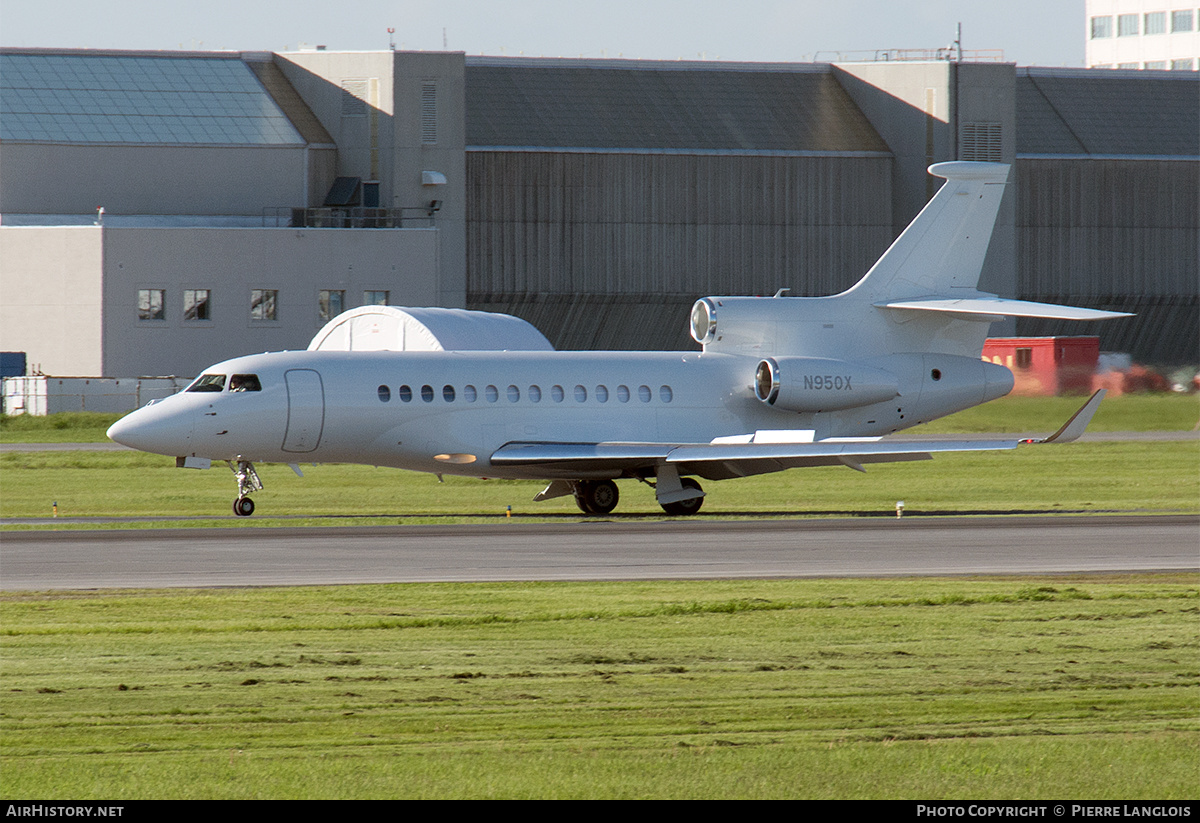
{"x": 596, "y": 496}
{"x": 247, "y": 480}
{"x": 601, "y": 496}
{"x": 685, "y": 507}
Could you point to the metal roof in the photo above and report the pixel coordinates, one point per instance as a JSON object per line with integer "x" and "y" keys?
{"x": 63, "y": 97}
{"x": 629, "y": 105}
{"x": 1108, "y": 113}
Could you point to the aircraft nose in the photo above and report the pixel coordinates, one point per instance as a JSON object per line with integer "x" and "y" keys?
{"x": 156, "y": 428}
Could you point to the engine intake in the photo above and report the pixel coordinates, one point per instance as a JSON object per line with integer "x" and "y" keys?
{"x": 818, "y": 384}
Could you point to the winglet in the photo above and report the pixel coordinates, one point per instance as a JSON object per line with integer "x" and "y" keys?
{"x": 1077, "y": 424}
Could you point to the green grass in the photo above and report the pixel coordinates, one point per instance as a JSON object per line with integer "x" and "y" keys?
{"x": 932, "y": 688}
{"x": 64, "y": 427}
{"x": 1129, "y": 412}
{"x": 1079, "y": 477}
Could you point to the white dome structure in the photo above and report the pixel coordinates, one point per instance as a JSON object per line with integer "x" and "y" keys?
{"x": 392, "y": 328}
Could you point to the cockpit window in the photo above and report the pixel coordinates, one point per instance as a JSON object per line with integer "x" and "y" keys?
{"x": 208, "y": 382}
{"x": 244, "y": 382}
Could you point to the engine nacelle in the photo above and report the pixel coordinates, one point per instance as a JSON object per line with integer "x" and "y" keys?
{"x": 818, "y": 384}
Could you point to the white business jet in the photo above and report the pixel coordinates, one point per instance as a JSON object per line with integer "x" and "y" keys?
{"x": 781, "y": 382}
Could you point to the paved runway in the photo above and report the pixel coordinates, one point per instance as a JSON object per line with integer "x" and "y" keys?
{"x": 597, "y": 550}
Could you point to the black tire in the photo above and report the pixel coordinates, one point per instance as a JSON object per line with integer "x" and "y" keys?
{"x": 243, "y": 507}
{"x": 597, "y": 496}
{"x": 685, "y": 507}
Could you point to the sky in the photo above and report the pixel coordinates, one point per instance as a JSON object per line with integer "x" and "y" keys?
{"x": 1029, "y": 32}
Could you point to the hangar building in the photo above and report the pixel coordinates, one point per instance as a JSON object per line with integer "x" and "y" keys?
{"x": 249, "y": 197}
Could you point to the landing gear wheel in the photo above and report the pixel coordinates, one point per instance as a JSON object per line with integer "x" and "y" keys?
{"x": 596, "y": 496}
{"x": 243, "y": 507}
{"x": 685, "y": 507}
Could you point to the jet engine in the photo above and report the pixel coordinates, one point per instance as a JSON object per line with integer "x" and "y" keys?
{"x": 818, "y": 384}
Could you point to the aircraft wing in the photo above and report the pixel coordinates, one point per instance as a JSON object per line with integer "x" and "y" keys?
{"x": 720, "y": 460}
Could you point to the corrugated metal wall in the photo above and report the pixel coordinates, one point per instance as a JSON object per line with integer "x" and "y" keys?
{"x": 1114, "y": 234}
{"x": 608, "y": 250}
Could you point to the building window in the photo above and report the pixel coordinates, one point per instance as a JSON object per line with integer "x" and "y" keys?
{"x": 195, "y": 304}
{"x": 1181, "y": 20}
{"x": 1155, "y": 65}
{"x": 1182, "y": 65}
{"x": 1024, "y": 357}
{"x": 1127, "y": 25}
{"x": 150, "y": 304}
{"x": 1127, "y": 65}
{"x": 1155, "y": 22}
{"x": 263, "y": 304}
{"x": 1101, "y": 27}
{"x": 375, "y": 298}
{"x": 330, "y": 303}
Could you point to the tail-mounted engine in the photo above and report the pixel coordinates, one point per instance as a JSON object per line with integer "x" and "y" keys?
{"x": 818, "y": 384}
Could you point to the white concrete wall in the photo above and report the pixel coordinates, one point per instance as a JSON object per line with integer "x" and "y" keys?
{"x": 51, "y": 297}
{"x": 230, "y": 263}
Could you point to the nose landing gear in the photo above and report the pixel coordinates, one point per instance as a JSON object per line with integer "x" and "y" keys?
{"x": 247, "y": 480}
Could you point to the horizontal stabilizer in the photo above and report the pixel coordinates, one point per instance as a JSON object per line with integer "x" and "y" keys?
{"x": 987, "y": 307}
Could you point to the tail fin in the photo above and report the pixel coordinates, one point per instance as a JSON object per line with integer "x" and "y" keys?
{"x": 944, "y": 246}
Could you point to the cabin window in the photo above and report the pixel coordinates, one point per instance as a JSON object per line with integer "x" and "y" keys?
{"x": 556, "y": 392}
{"x": 580, "y": 394}
{"x": 405, "y": 394}
{"x": 427, "y": 393}
{"x": 665, "y": 394}
{"x": 248, "y": 382}
{"x": 385, "y": 394}
{"x": 492, "y": 394}
{"x": 469, "y": 393}
{"x": 514, "y": 394}
{"x": 602, "y": 393}
{"x": 448, "y": 393}
{"x": 644, "y": 394}
{"x": 623, "y": 394}
{"x": 208, "y": 382}
{"x": 535, "y": 394}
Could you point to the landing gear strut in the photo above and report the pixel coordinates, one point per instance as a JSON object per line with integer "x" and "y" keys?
{"x": 596, "y": 496}
{"x": 247, "y": 480}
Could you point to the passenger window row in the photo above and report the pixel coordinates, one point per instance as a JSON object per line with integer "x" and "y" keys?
{"x": 534, "y": 394}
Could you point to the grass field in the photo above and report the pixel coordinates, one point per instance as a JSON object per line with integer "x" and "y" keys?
{"x": 991, "y": 688}
{"x": 1079, "y": 477}
{"x": 969, "y": 688}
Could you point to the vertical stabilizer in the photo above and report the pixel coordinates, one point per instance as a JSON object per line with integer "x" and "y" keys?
{"x": 942, "y": 250}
